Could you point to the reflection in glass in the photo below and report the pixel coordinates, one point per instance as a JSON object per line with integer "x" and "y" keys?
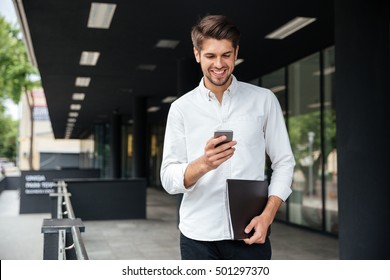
{"x": 127, "y": 153}
{"x": 99, "y": 157}
{"x": 156, "y": 152}
{"x": 304, "y": 123}
{"x": 87, "y": 148}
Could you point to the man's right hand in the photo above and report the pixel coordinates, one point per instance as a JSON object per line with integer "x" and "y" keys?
{"x": 213, "y": 157}
{"x": 216, "y": 153}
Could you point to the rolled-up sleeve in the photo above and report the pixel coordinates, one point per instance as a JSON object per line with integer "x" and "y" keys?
{"x": 279, "y": 150}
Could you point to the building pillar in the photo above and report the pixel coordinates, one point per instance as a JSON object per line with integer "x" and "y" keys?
{"x": 362, "y": 102}
{"x": 140, "y": 138}
{"x": 115, "y": 145}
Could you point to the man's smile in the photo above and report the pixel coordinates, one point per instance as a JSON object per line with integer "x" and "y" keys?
{"x": 218, "y": 72}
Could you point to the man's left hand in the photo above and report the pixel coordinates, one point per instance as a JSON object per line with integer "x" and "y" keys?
{"x": 260, "y": 227}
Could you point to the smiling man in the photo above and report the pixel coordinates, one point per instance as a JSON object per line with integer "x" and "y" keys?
{"x": 196, "y": 165}
{"x": 217, "y": 59}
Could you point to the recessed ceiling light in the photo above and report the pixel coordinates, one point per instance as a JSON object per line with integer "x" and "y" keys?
{"x": 89, "y": 58}
{"x": 238, "y": 61}
{"x": 78, "y": 96}
{"x": 318, "y": 105}
{"x": 276, "y": 89}
{"x": 75, "y": 107}
{"x": 147, "y": 67}
{"x": 327, "y": 71}
{"x": 167, "y": 44}
{"x": 169, "y": 99}
{"x": 82, "y": 81}
{"x": 72, "y": 120}
{"x": 290, "y": 27}
{"x": 100, "y": 15}
{"x": 73, "y": 114}
{"x": 69, "y": 125}
{"x": 153, "y": 109}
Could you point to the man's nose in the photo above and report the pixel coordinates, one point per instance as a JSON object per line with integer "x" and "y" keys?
{"x": 218, "y": 62}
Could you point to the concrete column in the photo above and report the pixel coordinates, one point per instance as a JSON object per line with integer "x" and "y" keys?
{"x": 115, "y": 145}
{"x": 140, "y": 138}
{"x": 362, "y": 102}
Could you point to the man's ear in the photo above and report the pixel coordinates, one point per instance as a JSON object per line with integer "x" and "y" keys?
{"x": 236, "y": 52}
{"x": 197, "y": 55}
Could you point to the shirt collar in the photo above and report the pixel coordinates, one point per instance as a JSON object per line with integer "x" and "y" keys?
{"x": 207, "y": 93}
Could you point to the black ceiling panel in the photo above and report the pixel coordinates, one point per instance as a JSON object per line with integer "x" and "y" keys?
{"x": 59, "y": 34}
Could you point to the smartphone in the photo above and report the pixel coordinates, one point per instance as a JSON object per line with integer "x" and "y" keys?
{"x": 227, "y": 133}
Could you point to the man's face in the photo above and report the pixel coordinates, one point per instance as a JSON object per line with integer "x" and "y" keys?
{"x": 216, "y": 59}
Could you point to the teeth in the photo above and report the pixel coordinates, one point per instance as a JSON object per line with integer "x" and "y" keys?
{"x": 218, "y": 72}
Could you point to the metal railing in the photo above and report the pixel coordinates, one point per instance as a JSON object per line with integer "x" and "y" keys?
{"x": 62, "y": 233}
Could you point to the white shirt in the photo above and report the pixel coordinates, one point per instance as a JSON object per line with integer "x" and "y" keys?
{"x": 255, "y": 116}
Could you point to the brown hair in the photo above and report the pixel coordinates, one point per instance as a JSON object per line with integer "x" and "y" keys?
{"x": 214, "y": 27}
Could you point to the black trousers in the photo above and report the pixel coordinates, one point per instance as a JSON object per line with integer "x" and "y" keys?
{"x": 223, "y": 250}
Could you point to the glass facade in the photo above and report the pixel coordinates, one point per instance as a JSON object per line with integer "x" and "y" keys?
{"x": 87, "y": 149}
{"x": 305, "y": 136}
{"x": 95, "y": 150}
{"x": 305, "y": 92}
{"x": 156, "y": 152}
{"x": 127, "y": 151}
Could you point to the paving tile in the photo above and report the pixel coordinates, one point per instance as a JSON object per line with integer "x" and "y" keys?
{"x": 156, "y": 237}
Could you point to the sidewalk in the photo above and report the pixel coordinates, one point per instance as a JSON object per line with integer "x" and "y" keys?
{"x": 154, "y": 238}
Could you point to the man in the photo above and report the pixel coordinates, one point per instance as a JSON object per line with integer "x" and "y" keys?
{"x": 195, "y": 165}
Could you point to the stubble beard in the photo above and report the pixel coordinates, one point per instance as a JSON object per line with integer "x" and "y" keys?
{"x": 218, "y": 82}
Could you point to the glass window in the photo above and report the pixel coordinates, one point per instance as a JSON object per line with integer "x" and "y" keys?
{"x": 304, "y": 119}
{"x": 87, "y": 149}
{"x": 276, "y": 82}
{"x": 127, "y": 151}
{"x": 156, "y": 152}
{"x": 102, "y": 150}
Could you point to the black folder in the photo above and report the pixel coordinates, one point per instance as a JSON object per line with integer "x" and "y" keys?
{"x": 246, "y": 199}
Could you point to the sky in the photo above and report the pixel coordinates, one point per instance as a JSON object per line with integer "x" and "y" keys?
{"x": 7, "y": 10}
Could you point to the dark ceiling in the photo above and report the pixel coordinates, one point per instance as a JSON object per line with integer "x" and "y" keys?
{"x": 59, "y": 33}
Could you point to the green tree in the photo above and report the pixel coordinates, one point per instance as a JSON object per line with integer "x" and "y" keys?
{"x": 299, "y": 128}
{"x": 15, "y": 71}
{"x": 15, "y": 68}
{"x": 300, "y": 125}
{"x": 8, "y": 137}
